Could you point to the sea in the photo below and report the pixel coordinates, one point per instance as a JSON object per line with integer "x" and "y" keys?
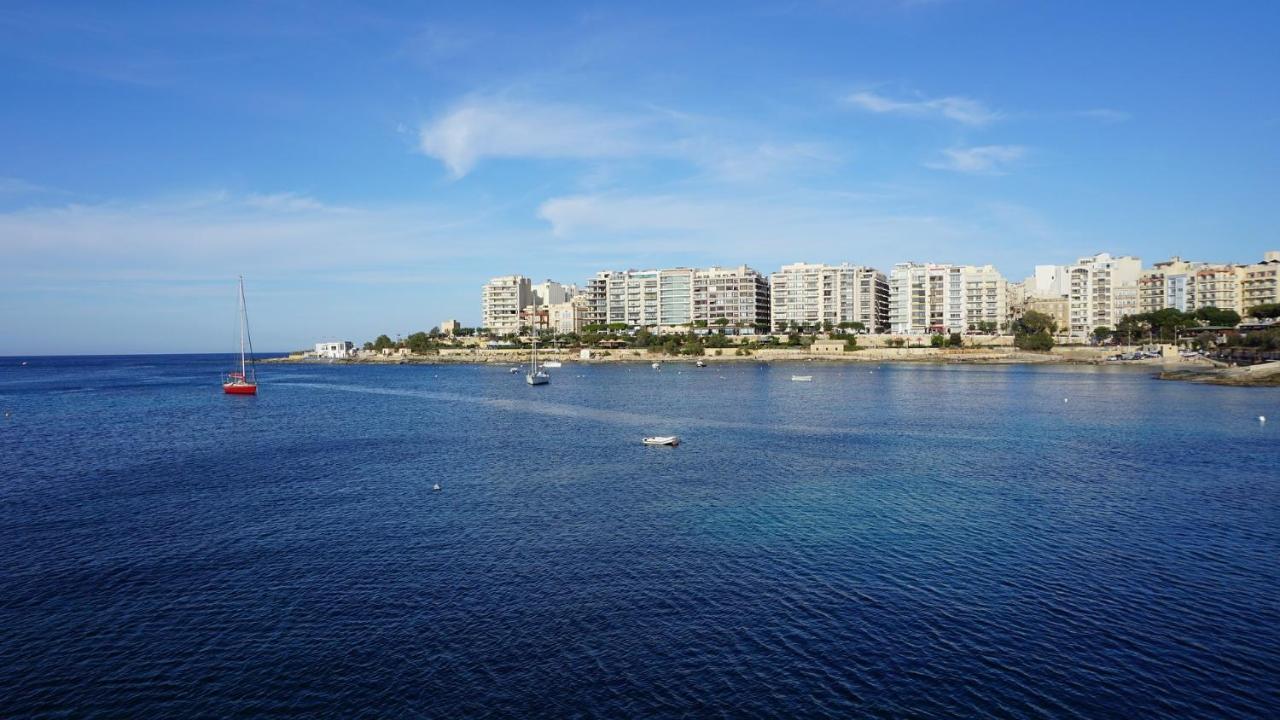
{"x": 886, "y": 540}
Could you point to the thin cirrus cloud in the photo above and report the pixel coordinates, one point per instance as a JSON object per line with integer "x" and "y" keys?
{"x": 483, "y": 128}
{"x": 766, "y": 231}
{"x": 1106, "y": 115}
{"x": 980, "y": 160}
{"x": 965, "y": 111}
{"x": 480, "y": 128}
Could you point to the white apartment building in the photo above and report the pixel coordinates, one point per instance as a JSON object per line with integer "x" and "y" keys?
{"x": 1102, "y": 289}
{"x": 550, "y": 292}
{"x": 941, "y": 298}
{"x": 1260, "y": 284}
{"x": 1167, "y": 285}
{"x": 502, "y": 300}
{"x": 810, "y": 294}
{"x": 677, "y": 296}
{"x": 733, "y": 296}
{"x": 335, "y": 350}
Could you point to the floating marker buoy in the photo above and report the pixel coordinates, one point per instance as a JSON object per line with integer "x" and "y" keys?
{"x": 1066, "y": 399}
{"x": 1261, "y": 418}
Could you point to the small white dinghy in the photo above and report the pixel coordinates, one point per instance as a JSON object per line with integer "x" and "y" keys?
{"x": 802, "y": 378}
{"x": 700, "y": 364}
{"x": 514, "y": 370}
{"x": 657, "y": 366}
{"x": 671, "y": 440}
{"x": 435, "y": 488}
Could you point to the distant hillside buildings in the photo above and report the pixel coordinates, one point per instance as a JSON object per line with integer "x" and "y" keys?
{"x": 913, "y": 299}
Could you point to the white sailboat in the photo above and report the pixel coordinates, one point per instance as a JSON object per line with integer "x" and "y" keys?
{"x": 536, "y": 375}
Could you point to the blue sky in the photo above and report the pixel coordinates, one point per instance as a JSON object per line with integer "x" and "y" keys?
{"x": 367, "y": 168}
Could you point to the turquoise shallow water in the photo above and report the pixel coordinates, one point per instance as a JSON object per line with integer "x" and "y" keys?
{"x": 921, "y": 541}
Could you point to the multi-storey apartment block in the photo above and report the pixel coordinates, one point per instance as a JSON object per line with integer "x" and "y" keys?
{"x": 1102, "y": 289}
{"x": 807, "y": 294}
{"x": 1260, "y": 284}
{"x": 932, "y": 298}
{"x": 502, "y": 300}
{"x": 678, "y": 296}
{"x": 1167, "y": 285}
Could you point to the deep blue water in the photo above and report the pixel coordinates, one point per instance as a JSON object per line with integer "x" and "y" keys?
{"x": 885, "y": 541}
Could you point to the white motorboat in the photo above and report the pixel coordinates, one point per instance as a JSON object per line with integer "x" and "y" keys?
{"x": 802, "y": 378}
{"x": 700, "y": 364}
{"x": 657, "y": 365}
{"x": 671, "y": 440}
{"x": 514, "y": 370}
{"x": 552, "y": 364}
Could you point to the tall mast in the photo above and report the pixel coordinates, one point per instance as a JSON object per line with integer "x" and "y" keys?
{"x": 242, "y": 318}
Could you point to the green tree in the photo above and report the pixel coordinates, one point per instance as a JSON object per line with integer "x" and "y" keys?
{"x": 1033, "y": 322}
{"x": 1264, "y": 311}
{"x": 722, "y": 321}
{"x": 419, "y": 343}
{"x": 1038, "y": 341}
{"x": 1217, "y": 317}
{"x": 937, "y": 341}
{"x": 955, "y": 340}
{"x": 382, "y": 342}
{"x": 1101, "y": 333}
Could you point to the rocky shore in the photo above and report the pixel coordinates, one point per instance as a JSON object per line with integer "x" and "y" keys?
{"x": 1263, "y": 375}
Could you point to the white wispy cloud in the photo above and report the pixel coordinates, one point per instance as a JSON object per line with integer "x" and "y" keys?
{"x": 18, "y": 186}
{"x": 287, "y": 202}
{"x": 217, "y": 231}
{"x": 1106, "y": 115}
{"x": 481, "y": 128}
{"x": 980, "y": 160}
{"x": 769, "y": 230}
{"x": 489, "y": 127}
{"x": 960, "y": 109}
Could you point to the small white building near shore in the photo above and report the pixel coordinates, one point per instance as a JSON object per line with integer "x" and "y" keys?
{"x": 335, "y": 350}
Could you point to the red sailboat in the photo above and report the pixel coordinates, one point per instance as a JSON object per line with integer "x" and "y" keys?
{"x": 244, "y": 382}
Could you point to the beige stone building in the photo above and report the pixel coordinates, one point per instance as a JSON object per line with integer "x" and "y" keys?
{"x": 1260, "y": 284}
{"x": 502, "y": 300}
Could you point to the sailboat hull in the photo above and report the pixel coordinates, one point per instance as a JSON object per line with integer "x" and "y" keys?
{"x": 239, "y": 389}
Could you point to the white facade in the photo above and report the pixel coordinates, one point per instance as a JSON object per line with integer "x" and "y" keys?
{"x": 937, "y": 298}
{"x": 810, "y": 294}
{"x": 501, "y": 302}
{"x": 1102, "y": 289}
{"x": 1050, "y": 281}
{"x": 550, "y": 292}
{"x": 335, "y": 350}
{"x": 677, "y": 296}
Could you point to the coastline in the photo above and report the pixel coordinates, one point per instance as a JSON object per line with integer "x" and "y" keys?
{"x": 1176, "y": 368}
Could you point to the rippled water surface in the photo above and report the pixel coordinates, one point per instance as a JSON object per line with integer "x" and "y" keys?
{"x": 884, "y": 541}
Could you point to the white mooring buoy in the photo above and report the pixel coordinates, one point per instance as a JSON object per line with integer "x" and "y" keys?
{"x": 1262, "y": 419}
